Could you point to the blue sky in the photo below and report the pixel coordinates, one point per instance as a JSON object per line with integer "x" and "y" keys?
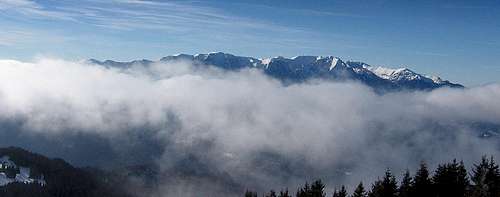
{"x": 458, "y": 40}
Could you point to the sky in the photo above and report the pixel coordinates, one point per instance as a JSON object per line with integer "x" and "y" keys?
{"x": 457, "y": 40}
{"x": 244, "y": 124}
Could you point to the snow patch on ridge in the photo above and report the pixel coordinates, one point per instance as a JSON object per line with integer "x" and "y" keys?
{"x": 334, "y": 63}
{"x": 394, "y": 74}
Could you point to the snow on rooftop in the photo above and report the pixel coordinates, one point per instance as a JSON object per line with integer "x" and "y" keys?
{"x": 22, "y": 177}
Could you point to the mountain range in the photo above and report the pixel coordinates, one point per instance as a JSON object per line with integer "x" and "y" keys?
{"x": 305, "y": 68}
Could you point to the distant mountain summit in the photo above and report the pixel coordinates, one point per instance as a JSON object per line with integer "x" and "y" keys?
{"x": 303, "y": 68}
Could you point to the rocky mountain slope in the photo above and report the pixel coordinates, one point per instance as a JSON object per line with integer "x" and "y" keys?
{"x": 303, "y": 68}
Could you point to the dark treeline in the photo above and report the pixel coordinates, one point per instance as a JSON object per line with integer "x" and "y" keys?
{"x": 448, "y": 180}
{"x": 63, "y": 180}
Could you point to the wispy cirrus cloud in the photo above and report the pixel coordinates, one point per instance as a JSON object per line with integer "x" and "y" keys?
{"x": 11, "y": 37}
{"x": 32, "y": 8}
{"x": 18, "y": 4}
{"x": 171, "y": 25}
{"x": 306, "y": 11}
{"x": 135, "y": 14}
{"x": 430, "y": 53}
{"x": 465, "y": 7}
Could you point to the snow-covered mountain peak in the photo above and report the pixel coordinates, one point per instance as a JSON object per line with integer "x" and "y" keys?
{"x": 394, "y": 73}
{"x": 436, "y": 79}
{"x": 265, "y": 61}
{"x": 302, "y": 68}
{"x": 336, "y": 63}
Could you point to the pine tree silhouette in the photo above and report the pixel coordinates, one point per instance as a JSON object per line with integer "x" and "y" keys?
{"x": 387, "y": 187}
{"x": 485, "y": 178}
{"x": 284, "y": 193}
{"x": 493, "y": 178}
{"x": 272, "y": 193}
{"x": 377, "y": 189}
{"x": 450, "y": 180}
{"x": 318, "y": 189}
{"x": 304, "y": 191}
{"x": 340, "y": 193}
{"x": 422, "y": 184}
{"x": 359, "y": 191}
{"x": 250, "y": 194}
{"x": 405, "y": 189}
{"x": 480, "y": 188}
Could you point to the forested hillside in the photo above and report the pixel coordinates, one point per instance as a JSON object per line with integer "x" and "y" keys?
{"x": 61, "y": 179}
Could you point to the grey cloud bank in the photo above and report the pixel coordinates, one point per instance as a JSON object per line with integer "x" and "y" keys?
{"x": 242, "y": 125}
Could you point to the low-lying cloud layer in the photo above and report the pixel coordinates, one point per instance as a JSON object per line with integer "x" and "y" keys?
{"x": 239, "y": 127}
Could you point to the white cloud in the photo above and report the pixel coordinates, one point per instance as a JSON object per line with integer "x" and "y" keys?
{"x": 130, "y": 15}
{"x": 17, "y": 3}
{"x": 327, "y": 127}
{"x": 31, "y": 8}
{"x": 10, "y": 38}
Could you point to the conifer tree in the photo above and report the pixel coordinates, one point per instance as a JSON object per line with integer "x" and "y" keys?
{"x": 284, "y": 193}
{"x": 480, "y": 188}
{"x": 377, "y": 189}
{"x": 493, "y": 178}
{"x": 340, "y": 193}
{"x": 343, "y": 192}
{"x": 304, "y": 191}
{"x": 359, "y": 191}
{"x": 386, "y": 187}
{"x": 250, "y": 194}
{"x": 318, "y": 189}
{"x": 422, "y": 184}
{"x": 390, "y": 185}
{"x": 405, "y": 189}
{"x": 486, "y": 179}
{"x": 450, "y": 180}
{"x": 271, "y": 193}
